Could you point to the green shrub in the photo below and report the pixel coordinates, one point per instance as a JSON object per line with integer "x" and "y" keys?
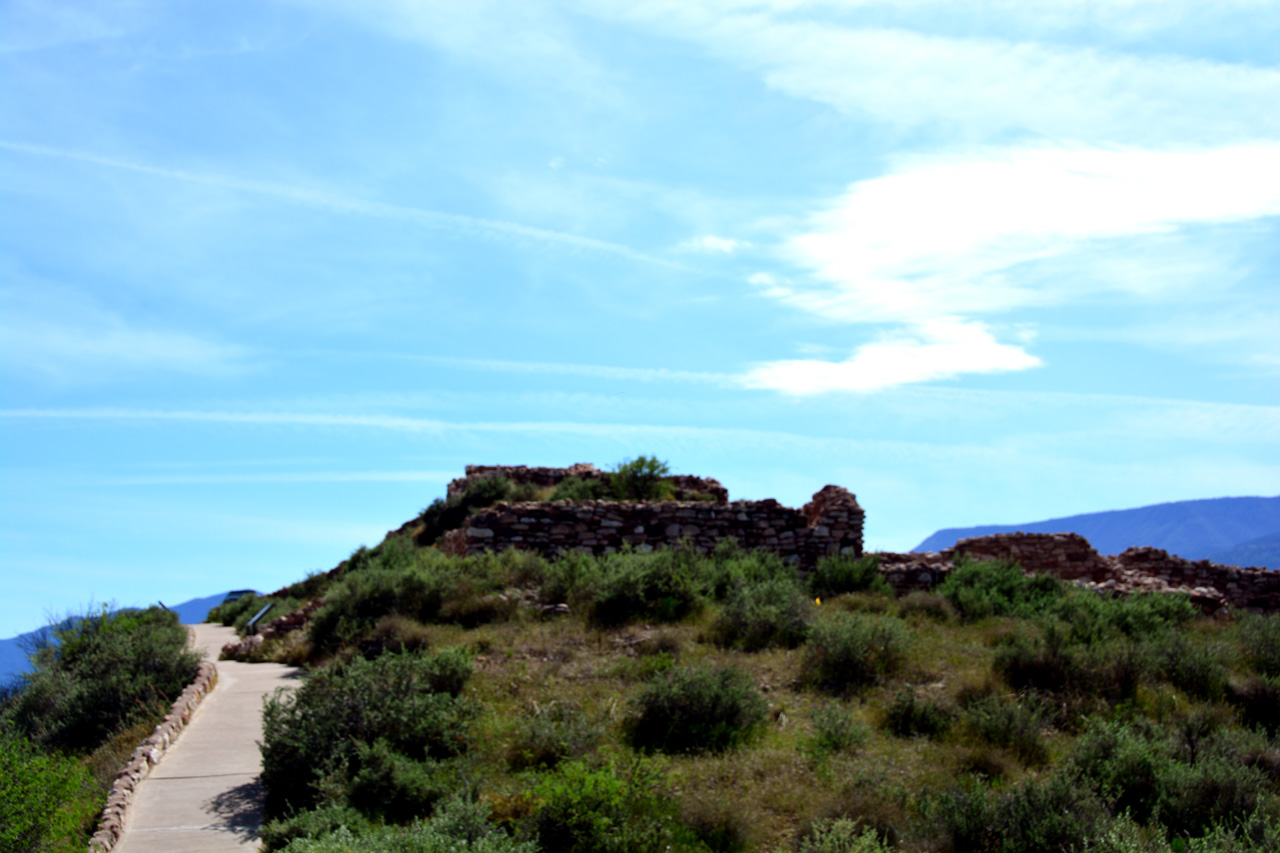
{"x": 459, "y": 825}
{"x": 834, "y": 731}
{"x": 1055, "y": 814}
{"x": 837, "y": 575}
{"x": 443, "y": 515}
{"x": 394, "y": 787}
{"x": 603, "y": 810}
{"x": 659, "y": 587}
{"x": 577, "y": 490}
{"x": 840, "y": 835}
{"x": 1196, "y": 668}
{"x": 758, "y": 616}
{"x": 408, "y": 700}
{"x": 1126, "y": 764}
{"x": 552, "y": 734}
{"x": 717, "y": 826}
{"x": 1259, "y": 636}
{"x": 641, "y": 479}
{"x": 694, "y": 710}
{"x": 102, "y": 672}
{"x": 978, "y": 589}
{"x": 46, "y": 800}
{"x": 909, "y": 715}
{"x": 1013, "y": 725}
{"x": 849, "y": 651}
{"x": 729, "y": 567}
{"x": 1257, "y": 699}
{"x": 317, "y": 823}
{"x": 1108, "y": 672}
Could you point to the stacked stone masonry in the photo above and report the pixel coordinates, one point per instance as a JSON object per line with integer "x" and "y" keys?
{"x": 830, "y": 524}
{"x": 146, "y": 756}
{"x": 1069, "y": 556}
{"x": 686, "y": 486}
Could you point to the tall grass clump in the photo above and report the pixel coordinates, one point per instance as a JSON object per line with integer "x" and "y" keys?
{"x": 696, "y": 710}
{"x": 846, "y": 652}
{"x": 321, "y": 733}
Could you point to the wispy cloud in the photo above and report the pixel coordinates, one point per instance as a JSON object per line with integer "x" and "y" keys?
{"x": 454, "y": 223}
{"x": 712, "y": 243}
{"x": 590, "y": 371}
{"x": 938, "y": 234}
{"x": 936, "y": 349}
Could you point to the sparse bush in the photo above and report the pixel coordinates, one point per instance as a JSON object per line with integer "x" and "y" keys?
{"x": 845, "y": 652}
{"x": 1110, "y": 672}
{"x": 693, "y": 710}
{"x": 459, "y": 825}
{"x": 552, "y": 734}
{"x": 719, "y": 826}
{"x": 978, "y": 589}
{"x": 1259, "y": 635}
{"x": 408, "y": 700}
{"x": 1257, "y": 699}
{"x": 1196, "y": 668}
{"x": 909, "y": 715}
{"x": 1014, "y": 725}
{"x": 280, "y": 833}
{"x": 837, "y": 575}
{"x": 834, "y": 730}
{"x": 448, "y": 514}
{"x": 927, "y": 604}
{"x": 763, "y": 615}
{"x": 840, "y": 835}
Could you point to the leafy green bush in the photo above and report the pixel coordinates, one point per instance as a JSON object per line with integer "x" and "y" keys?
{"x": 978, "y": 589}
{"x": 101, "y": 672}
{"x": 1257, "y": 698}
{"x": 1196, "y": 668}
{"x": 928, "y": 604}
{"x": 849, "y": 651}
{"x": 409, "y": 700}
{"x": 395, "y": 787}
{"x": 280, "y": 833}
{"x": 552, "y": 734}
{"x": 459, "y": 825}
{"x": 694, "y": 710}
{"x": 1054, "y": 814}
{"x": 46, "y": 800}
{"x": 839, "y": 574}
{"x": 640, "y": 479}
{"x": 603, "y": 810}
{"x": 661, "y": 587}
{"x": 909, "y": 715}
{"x": 576, "y": 489}
{"x": 443, "y": 515}
{"x": 758, "y": 616}
{"x": 1109, "y": 672}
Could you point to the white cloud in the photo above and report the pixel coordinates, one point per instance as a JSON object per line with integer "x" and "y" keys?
{"x": 940, "y": 236}
{"x": 936, "y": 349}
{"x": 979, "y": 87}
{"x": 711, "y": 243}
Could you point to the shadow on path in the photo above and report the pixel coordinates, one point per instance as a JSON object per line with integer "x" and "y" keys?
{"x": 239, "y": 809}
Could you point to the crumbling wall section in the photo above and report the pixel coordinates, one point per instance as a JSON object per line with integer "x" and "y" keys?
{"x": 829, "y": 524}
{"x": 686, "y": 486}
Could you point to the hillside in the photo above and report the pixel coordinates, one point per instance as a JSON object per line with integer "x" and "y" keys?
{"x": 1201, "y": 529}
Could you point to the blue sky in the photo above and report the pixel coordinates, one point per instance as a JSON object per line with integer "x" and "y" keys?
{"x": 272, "y": 273}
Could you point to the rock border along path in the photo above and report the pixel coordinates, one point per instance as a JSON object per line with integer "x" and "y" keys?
{"x": 204, "y": 796}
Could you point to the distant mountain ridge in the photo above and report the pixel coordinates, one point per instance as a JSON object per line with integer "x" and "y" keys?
{"x": 1234, "y": 531}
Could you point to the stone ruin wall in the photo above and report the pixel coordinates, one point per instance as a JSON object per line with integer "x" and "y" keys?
{"x": 1070, "y": 556}
{"x": 686, "y": 486}
{"x": 829, "y": 524}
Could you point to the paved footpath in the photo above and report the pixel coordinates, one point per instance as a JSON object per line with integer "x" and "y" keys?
{"x": 204, "y": 795}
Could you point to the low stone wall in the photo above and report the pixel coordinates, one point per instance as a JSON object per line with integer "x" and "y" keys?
{"x": 146, "y": 756}
{"x": 686, "y": 486}
{"x": 1071, "y": 557}
{"x": 829, "y": 524}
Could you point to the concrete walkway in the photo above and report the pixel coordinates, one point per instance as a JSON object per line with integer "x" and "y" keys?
{"x": 204, "y": 795}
